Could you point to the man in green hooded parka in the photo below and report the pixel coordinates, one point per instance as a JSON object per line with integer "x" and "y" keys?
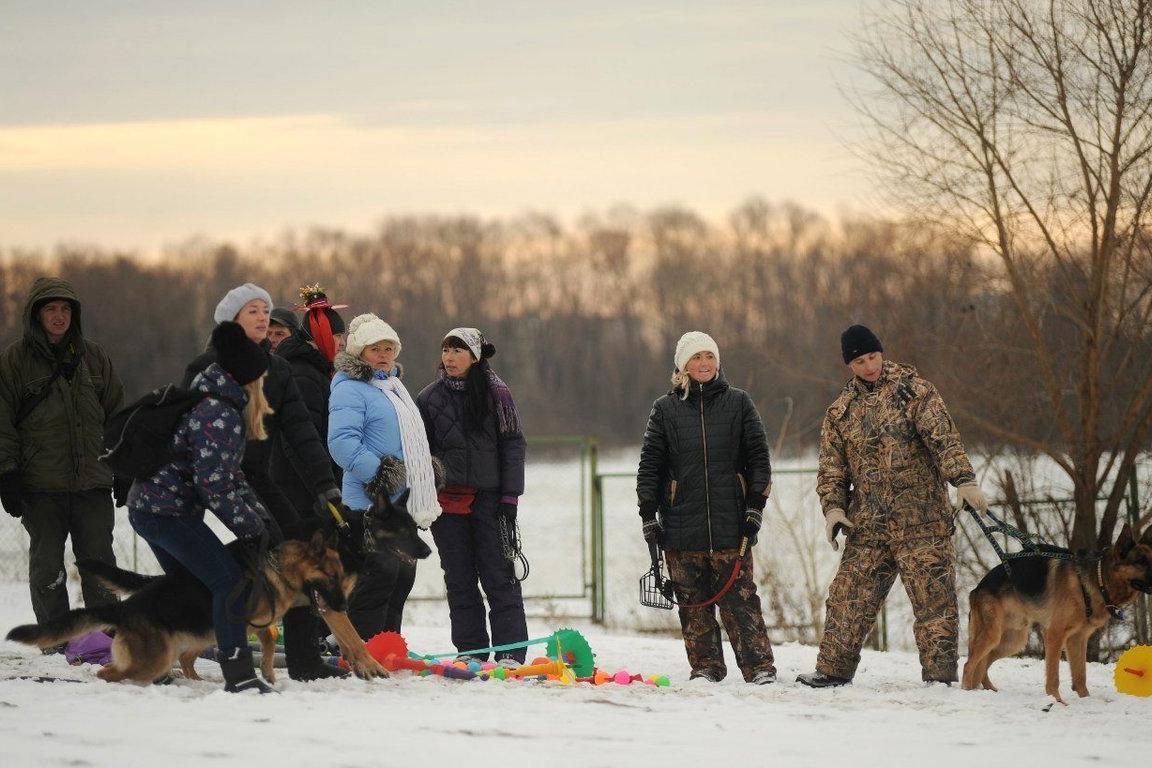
{"x": 57, "y": 389}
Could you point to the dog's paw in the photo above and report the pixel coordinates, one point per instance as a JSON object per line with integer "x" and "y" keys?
{"x": 365, "y": 667}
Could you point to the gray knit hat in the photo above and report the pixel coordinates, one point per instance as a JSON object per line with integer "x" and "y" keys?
{"x": 235, "y": 300}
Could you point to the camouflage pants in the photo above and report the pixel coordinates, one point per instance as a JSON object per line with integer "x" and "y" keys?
{"x": 865, "y": 577}
{"x": 699, "y": 576}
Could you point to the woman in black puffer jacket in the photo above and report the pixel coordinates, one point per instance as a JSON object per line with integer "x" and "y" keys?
{"x": 703, "y": 481}
{"x": 474, "y": 430}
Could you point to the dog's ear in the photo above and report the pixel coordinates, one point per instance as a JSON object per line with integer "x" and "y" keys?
{"x": 1125, "y": 542}
{"x": 316, "y": 545}
{"x": 402, "y": 502}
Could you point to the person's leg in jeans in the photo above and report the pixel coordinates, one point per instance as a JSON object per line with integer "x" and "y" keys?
{"x": 192, "y": 544}
{"x": 505, "y": 599}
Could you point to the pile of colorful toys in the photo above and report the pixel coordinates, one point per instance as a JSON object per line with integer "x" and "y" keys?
{"x": 568, "y": 659}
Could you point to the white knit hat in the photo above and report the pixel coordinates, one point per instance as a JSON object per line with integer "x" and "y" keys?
{"x": 366, "y": 330}
{"x": 691, "y": 343}
{"x": 470, "y": 336}
{"x": 235, "y": 300}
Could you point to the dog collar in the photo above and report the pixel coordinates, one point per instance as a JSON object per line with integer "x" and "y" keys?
{"x": 1112, "y": 608}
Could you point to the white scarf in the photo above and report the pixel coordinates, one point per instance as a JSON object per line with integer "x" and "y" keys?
{"x": 423, "y": 504}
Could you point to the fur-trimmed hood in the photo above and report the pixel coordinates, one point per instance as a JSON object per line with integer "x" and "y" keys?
{"x": 355, "y": 368}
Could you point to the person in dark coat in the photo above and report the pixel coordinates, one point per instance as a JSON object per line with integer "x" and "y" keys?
{"x": 312, "y": 372}
{"x": 57, "y": 388}
{"x": 282, "y": 324}
{"x": 474, "y": 430}
{"x": 703, "y": 481}
{"x": 290, "y": 425}
{"x": 167, "y": 510}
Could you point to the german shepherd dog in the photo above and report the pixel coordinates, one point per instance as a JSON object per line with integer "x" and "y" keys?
{"x": 1068, "y": 601}
{"x": 168, "y": 618}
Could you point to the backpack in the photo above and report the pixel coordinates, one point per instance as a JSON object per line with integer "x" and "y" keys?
{"x": 138, "y": 437}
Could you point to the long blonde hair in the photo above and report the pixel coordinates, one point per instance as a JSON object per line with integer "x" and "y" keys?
{"x": 682, "y": 381}
{"x": 256, "y": 409}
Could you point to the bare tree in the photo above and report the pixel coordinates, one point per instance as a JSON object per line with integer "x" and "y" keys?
{"x": 1025, "y": 125}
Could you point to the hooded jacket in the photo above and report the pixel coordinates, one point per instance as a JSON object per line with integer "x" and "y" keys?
{"x": 206, "y": 474}
{"x": 702, "y": 457}
{"x": 55, "y": 447}
{"x": 886, "y": 452}
{"x": 290, "y": 426}
{"x": 363, "y": 428}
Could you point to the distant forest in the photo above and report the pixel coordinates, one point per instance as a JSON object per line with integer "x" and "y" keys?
{"x": 585, "y": 316}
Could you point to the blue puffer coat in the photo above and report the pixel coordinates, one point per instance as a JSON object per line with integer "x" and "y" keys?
{"x": 206, "y": 473}
{"x": 362, "y": 427}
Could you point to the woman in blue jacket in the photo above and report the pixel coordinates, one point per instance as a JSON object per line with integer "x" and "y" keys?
{"x": 375, "y": 433}
{"x": 167, "y": 510}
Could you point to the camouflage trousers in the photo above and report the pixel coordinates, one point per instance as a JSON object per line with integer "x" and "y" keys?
{"x": 699, "y": 576}
{"x": 926, "y": 567}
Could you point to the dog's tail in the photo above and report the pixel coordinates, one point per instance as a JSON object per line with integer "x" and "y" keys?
{"x": 64, "y": 628}
{"x": 114, "y": 579}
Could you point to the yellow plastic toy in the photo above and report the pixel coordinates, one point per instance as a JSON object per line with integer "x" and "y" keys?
{"x": 1134, "y": 671}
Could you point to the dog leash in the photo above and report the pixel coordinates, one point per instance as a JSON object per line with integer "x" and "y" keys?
{"x": 666, "y": 586}
{"x": 1032, "y": 548}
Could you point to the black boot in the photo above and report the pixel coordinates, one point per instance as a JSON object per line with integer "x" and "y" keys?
{"x": 240, "y": 674}
{"x": 302, "y": 647}
{"x": 821, "y": 680}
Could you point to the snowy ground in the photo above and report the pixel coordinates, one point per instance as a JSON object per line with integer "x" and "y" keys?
{"x": 887, "y": 718}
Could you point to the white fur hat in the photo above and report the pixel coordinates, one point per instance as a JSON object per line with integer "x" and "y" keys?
{"x": 235, "y": 300}
{"x": 691, "y": 343}
{"x": 367, "y": 329}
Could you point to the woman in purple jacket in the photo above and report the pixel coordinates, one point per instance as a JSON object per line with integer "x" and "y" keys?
{"x": 167, "y": 510}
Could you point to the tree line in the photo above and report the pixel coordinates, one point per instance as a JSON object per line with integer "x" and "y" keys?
{"x": 585, "y": 316}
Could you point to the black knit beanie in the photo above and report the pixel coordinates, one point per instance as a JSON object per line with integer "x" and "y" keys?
{"x": 335, "y": 322}
{"x": 243, "y": 358}
{"x": 858, "y": 340}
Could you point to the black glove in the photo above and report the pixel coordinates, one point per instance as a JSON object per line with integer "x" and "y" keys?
{"x": 252, "y": 552}
{"x": 652, "y": 530}
{"x": 120, "y": 488}
{"x": 508, "y": 512}
{"x": 12, "y": 493}
{"x": 323, "y": 513}
{"x": 751, "y": 526}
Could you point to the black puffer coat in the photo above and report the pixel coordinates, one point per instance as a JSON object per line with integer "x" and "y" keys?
{"x": 313, "y": 376}
{"x": 290, "y": 423}
{"x": 701, "y": 456}
{"x": 483, "y": 460}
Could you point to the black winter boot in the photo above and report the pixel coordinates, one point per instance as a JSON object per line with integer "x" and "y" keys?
{"x": 821, "y": 680}
{"x": 240, "y": 674}
{"x": 302, "y": 647}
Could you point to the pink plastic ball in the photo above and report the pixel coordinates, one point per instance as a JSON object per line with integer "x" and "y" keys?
{"x": 622, "y": 677}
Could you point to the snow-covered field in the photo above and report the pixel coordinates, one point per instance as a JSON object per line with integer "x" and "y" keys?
{"x": 887, "y": 718}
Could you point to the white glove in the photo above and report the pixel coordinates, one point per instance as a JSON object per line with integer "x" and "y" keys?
{"x": 833, "y": 522}
{"x": 971, "y": 495}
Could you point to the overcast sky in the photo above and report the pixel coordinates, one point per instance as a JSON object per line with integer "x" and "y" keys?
{"x": 134, "y": 124}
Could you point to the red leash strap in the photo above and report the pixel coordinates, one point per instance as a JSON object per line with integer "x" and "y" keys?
{"x": 736, "y": 566}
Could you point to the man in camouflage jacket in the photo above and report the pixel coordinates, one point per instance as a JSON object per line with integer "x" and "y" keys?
{"x": 887, "y": 447}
